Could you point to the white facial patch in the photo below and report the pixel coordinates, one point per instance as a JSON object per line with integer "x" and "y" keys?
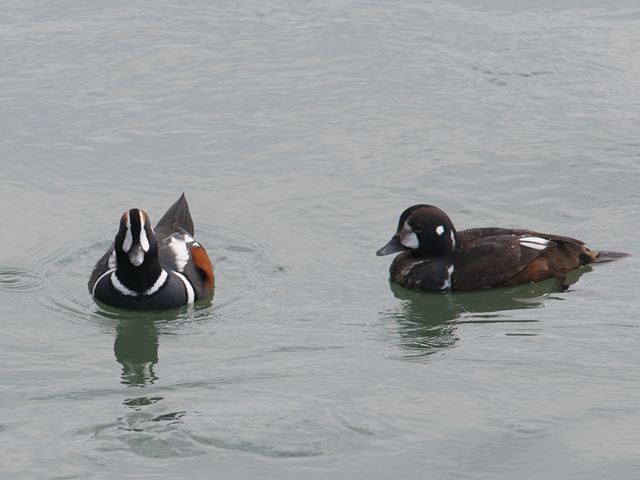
{"x": 439, "y": 229}
{"x": 536, "y": 243}
{"x": 408, "y": 238}
{"x": 136, "y": 257}
{"x": 144, "y": 241}
{"x": 128, "y": 241}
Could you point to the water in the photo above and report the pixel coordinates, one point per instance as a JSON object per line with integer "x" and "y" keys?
{"x": 300, "y": 131}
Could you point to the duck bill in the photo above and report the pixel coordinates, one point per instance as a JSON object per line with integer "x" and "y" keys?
{"x": 136, "y": 256}
{"x": 393, "y": 246}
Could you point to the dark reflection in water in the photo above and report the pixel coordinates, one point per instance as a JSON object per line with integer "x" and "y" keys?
{"x": 137, "y": 342}
{"x": 136, "y": 349}
{"x": 427, "y": 321}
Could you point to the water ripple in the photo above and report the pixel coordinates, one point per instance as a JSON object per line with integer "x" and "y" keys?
{"x": 20, "y": 280}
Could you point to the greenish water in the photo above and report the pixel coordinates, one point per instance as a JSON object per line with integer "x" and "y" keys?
{"x": 299, "y": 132}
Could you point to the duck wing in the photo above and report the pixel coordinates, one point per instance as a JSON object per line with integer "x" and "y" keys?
{"x": 473, "y": 234}
{"x": 490, "y": 257}
{"x": 181, "y": 253}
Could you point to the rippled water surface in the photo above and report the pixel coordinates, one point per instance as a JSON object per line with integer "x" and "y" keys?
{"x": 299, "y": 132}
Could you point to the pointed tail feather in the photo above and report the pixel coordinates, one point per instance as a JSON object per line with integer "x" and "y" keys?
{"x": 177, "y": 216}
{"x": 608, "y": 256}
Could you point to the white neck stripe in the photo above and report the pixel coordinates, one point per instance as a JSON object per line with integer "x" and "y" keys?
{"x": 190, "y": 293}
{"x": 162, "y": 279}
{"x": 118, "y": 285}
{"x": 115, "y": 281}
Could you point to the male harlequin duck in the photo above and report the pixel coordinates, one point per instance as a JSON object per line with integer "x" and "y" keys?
{"x": 153, "y": 269}
{"x": 436, "y": 257}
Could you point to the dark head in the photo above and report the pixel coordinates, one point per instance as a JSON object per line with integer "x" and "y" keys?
{"x": 425, "y": 230}
{"x": 136, "y": 249}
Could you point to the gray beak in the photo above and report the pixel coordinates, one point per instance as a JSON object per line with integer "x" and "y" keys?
{"x": 393, "y": 246}
{"x": 136, "y": 256}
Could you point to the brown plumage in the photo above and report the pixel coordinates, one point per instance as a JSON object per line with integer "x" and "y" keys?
{"x": 436, "y": 257}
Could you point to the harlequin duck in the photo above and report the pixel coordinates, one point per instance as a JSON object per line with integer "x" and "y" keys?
{"x": 436, "y": 257}
{"x": 153, "y": 269}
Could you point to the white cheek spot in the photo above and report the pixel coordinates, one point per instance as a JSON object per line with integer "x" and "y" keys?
{"x": 439, "y": 229}
{"x": 535, "y": 243}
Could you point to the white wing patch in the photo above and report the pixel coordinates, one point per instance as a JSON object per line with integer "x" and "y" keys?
{"x": 179, "y": 245}
{"x": 536, "y": 243}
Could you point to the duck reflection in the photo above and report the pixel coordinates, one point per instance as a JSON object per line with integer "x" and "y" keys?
{"x": 137, "y": 338}
{"x": 136, "y": 349}
{"x": 428, "y": 321}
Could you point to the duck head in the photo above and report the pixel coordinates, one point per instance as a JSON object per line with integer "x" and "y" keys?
{"x": 136, "y": 251}
{"x": 424, "y": 230}
{"x": 135, "y": 240}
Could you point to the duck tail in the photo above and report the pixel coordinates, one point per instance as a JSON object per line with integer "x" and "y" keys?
{"x": 609, "y": 256}
{"x": 178, "y": 215}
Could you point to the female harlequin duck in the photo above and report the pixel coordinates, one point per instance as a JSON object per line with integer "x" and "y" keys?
{"x": 147, "y": 269}
{"x": 436, "y": 257}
